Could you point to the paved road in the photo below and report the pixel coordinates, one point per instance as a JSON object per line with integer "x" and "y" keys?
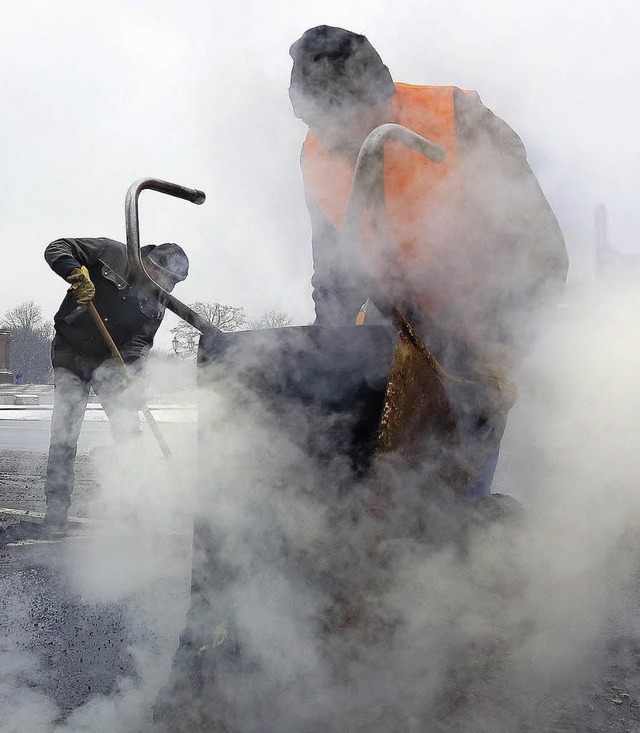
{"x": 75, "y": 655}
{"x": 89, "y": 621}
{"x": 33, "y": 434}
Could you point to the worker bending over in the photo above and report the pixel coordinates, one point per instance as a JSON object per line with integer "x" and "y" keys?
{"x": 468, "y": 249}
{"x": 98, "y": 271}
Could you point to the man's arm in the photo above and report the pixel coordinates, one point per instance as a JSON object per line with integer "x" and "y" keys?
{"x": 522, "y": 231}
{"x": 65, "y": 255}
{"x": 139, "y": 345}
{"x": 340, "y": 285}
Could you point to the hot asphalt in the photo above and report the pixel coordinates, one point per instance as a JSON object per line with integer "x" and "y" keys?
{"x": 70, "y": 639}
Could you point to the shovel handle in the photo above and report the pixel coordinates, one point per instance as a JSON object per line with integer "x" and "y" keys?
{"x": 105, "y": 333}
{"x": 115, "y": 352}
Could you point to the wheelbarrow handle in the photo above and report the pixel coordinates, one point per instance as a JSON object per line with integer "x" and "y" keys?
{"x": 133, "y": 246}
{"x": 368, "y": 173}
{"x": 171, "y": 189}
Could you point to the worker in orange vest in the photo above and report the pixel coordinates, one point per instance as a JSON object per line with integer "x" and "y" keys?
{"x": 468, "y": 249}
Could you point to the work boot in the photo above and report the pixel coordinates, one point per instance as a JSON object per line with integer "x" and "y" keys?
{"x": 55, "y": 518}
{"x": 491, "y": 513}
{"x": 498, "y": 508}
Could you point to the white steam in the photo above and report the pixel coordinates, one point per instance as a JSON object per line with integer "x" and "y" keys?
{"x": 511, "y": 631}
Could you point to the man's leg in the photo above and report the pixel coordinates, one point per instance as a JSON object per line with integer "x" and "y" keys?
{"x": 120, "y": 397}
{"x": 481, "y": 483}
{"x": 69, "y": 403}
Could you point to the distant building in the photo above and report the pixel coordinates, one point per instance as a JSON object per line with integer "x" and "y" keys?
{"x": 6, "y": 377}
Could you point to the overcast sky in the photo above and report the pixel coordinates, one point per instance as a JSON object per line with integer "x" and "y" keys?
{"x": 97, "y": 95}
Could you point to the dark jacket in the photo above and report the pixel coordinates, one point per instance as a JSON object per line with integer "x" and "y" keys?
{"x": 492, "y": 150}
{"x": 131, "y": 317}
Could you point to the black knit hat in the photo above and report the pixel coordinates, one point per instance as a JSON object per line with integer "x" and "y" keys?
{"x": 168, "y": 257}
{"x": 333, "y": 69}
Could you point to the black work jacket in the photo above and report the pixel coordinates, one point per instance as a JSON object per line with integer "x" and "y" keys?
{"x": 131, "y": 316}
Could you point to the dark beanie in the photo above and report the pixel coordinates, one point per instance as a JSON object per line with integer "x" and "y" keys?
{"x": 334, "y": 68}
{"x": 169, "y": 257}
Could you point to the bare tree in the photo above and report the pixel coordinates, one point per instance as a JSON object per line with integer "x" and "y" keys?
{"x": 224, "y": 317}
{"x": 30, "y": 348}
{"x": 272, "y": 319}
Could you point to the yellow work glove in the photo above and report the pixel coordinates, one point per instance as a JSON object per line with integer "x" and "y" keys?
{"x": 362, "y": 313}
{"x": 81, "y": 288}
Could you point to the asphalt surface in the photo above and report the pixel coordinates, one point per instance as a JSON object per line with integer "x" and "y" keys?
{"x": 33, "y": 435}
{"x": 80, "y": 648}
{"x": 91, "y": 617}
{"x": 66, "y": 653}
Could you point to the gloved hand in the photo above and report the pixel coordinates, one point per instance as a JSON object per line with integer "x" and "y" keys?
{"x": 81, "y": 288}
{"x": 496, "y": 364}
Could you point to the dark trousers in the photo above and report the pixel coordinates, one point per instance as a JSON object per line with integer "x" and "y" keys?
{"x": 74, "y": 375}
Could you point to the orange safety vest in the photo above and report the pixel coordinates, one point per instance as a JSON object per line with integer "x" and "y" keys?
{"x": 416, "y": 191}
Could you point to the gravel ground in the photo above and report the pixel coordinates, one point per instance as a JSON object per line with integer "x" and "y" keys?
{"x": 61, "y": 651}
{"x": 22, "y": 476}
{"x": 81, "y": 648}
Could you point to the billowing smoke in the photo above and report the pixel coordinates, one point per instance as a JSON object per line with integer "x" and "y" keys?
{"x": 341, "y": 620}
{"x": 313, "y": 614}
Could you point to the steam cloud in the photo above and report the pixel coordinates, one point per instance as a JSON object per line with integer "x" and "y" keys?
{"x": 507, "y": 633}
{"x": 536, "y": 601}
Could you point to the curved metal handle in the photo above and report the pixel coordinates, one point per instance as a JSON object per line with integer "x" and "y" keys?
{"x": 369, "y": 169}
{"x": 368, "y": 172}
{"x": 133, "y": 246}
{"x": 403, "y": 135}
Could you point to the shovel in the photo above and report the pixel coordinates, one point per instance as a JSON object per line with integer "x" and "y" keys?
{"x": 151, "y": 421}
